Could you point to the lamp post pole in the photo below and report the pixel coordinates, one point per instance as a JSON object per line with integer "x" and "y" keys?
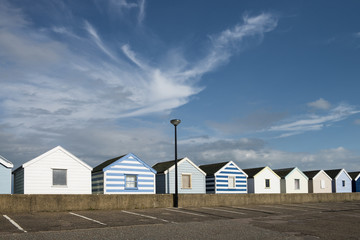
{"x": 176, "y": 122}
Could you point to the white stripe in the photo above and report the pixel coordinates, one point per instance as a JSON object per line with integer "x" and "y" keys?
{"x": 115, "y": 182}
{"x": 117, "y": 177}
{"x": 14, "y": 223}
{"x": 145, "y": 183}
{"x": 196, "y": 214}
{"x": 222, "y": 210}
{"x": 145, "y": 178}
{"x": 132, "y": 162}
{"x": 87, "y": 218}
{"x": 147, "y": 216}
{"x": 115, "y": 188}
{"x": 129, "y": 167}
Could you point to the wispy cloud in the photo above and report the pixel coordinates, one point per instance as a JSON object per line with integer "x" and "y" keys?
{"x": 74, "y": 78}
{"x": 315, "y": 122}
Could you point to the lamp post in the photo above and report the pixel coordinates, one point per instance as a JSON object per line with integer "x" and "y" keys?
{"x": 176, "y": 122}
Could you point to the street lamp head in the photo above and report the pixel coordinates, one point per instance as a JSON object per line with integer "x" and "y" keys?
{"x": 175, "y": 122}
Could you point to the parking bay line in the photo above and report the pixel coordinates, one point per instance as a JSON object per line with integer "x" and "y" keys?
{"x": 223, "y": 210}
{"x": 305, "y": 206}
{"x": 147, "y": 216}
{"x": 14, "y": 223}
{"x": 283, "y": 207}
{"x": 179, "y": 211}
{"x": 93, "y": 220}
{"x": 256, "y": 210}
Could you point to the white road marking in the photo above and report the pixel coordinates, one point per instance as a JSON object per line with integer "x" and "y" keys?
{"x": 223, "y": 210}
{"x": 256, "y": 210}
{"x": 14, "y": 223}
{"x": 147, "y": 216}
{"x": 305, "y": 206}
{"x": 174, "y": 210}
{"x": 87, "y": 218}
{"x": 282, "y": 207}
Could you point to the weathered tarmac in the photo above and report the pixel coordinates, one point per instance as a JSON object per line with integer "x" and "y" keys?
{"x": 338, "y": 220}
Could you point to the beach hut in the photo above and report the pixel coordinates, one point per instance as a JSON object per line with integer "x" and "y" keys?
{"x": 126, "y": 174}
{"x": 341, "y": 180}
{"x": 293, "y": 180}
{"x": 191, "y": 179}
{"x": 262, "y": 180}
{"x": 355, "y": 181}
{"x": 319, "y": 181}
{"x": 225, "y": 177}
{"x": 54, "y": 172}
{"x": 5, "y": 175}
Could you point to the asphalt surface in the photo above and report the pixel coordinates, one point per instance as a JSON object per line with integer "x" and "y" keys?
{"x": 286, "y": 221}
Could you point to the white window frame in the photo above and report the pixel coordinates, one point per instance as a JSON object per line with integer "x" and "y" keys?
{"x": 128, "y": 181}
{"x": 233, "y": 182}
{"x": 267, "y": 180}
{"x": 297, "y": 186}
{"x": 322, "y": 184}
{"x": 190, "y": 181}
{"x": 66, "y": 177}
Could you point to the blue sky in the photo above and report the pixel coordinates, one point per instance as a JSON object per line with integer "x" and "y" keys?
{"x": 257, "y": 82}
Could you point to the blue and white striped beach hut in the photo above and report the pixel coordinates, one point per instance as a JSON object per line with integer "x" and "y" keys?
{"x": 126, "y": 174}
{"x": 225, "y": 177}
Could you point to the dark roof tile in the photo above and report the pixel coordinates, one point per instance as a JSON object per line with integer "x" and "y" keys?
{"x": 211, "y": 169}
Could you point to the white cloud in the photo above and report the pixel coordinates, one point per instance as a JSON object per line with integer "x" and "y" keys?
{"x": 320, "y": 104}
{"x": 249, "y": 153}
{"x": 315, "y": 122}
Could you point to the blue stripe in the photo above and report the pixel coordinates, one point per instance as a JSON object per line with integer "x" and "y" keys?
{"x": 115, "y": 179}
{"x": 231, "y": 168}
{"x": 123, "y": 180}
{"x": 145, "y": 180}
{"x": 221, "y": 185}
{"x": 221, "y": 176}
{"x": 242, "y": 177}
{"x": 226, "y": 172}
{"x": 123, "y": 185}
{"x": 122, "y": 174}
{"x": 221, "y": 180}
{"x": 231, "y": 190}
{"x": 129, "y": 170}
{"x": 241, "y": 181}
{"x": 122, "y": 191}
{"x": 241, "y": 185}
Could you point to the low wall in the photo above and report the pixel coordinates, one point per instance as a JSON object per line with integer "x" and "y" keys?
{"x": 50, "y": 203}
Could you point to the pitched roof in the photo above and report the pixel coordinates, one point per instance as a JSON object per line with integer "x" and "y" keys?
{"x": 58, "y": 148}
{"x": 311, "y": 174}
{"x": 101, "y": 166}
{"x": 354, "y": 175}
{"x": 6, "y": 162}
{"x": 251, "y": 172}
{"x": 161, "y": 167}
{"x": 283, "y": 172}
{"x": 333, "y": 173}
{"x": 211, "y": 169}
